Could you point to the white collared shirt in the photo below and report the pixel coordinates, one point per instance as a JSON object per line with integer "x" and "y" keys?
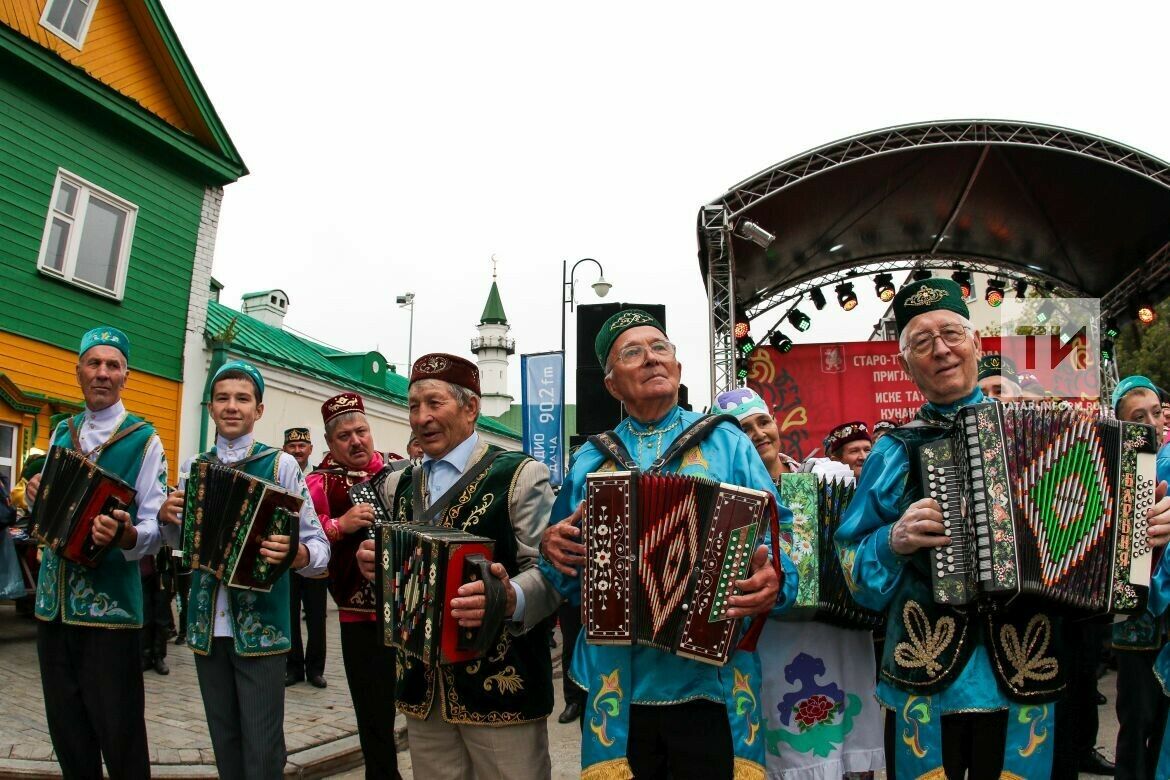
{"x": 444, "y": 472}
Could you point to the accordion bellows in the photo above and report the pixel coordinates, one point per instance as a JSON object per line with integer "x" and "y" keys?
{"x": 823, "y": 593}
{"x": 663, "y": 553}
{"x": 1044, "y": 501}
{"x": 420, "y": 568}
{"x": 74, "y": 491}
{"x": 227, "y": 514}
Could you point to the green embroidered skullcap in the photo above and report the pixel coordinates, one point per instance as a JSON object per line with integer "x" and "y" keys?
{"x": 618, "y": 324}
{"x": 105, "y": 336}
{"x": 993, "y": 364}
{"x": 928, "y": 295}
{"x": 1129, "y": 384}
{"x": 245, "y": 368}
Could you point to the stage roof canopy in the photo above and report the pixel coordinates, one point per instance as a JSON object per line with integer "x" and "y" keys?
{"x": 1080, "y": 212}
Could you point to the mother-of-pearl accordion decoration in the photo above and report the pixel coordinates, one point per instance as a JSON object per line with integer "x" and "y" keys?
{"x": 1045, "y": 501}
{"x": 663, "y": 553}
{"x": 74, "y": 491}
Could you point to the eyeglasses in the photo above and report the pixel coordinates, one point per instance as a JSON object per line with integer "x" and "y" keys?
{"x": 635, "y": 354}
{"x": 923, "y": 344}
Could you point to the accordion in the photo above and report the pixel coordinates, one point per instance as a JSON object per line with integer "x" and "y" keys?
{"x": 1044, "y": 501}
{"x": 74, "y": 491}
{"x": 420, "y": 568}
{"x": 227, "y": 515}
{"x": 663, "y": 553}
{"x": 822, "y": 593}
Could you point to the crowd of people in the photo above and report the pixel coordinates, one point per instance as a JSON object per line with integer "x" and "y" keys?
{"x": 940, "y": 692}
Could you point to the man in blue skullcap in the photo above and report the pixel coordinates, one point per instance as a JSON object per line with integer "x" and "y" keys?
{"x": 87, "y": 637}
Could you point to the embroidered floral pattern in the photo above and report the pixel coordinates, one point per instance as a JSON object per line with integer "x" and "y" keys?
{"x": 508, "y": 681}
{"x": 47, "y": 594}
{"x": 85, "y": 600}
{"x": 252, "y": 633}
{"x": 915, "y": 714}
{"x": 607, "y": 703}
{"x": 1036, "y": 717}
{"x": 1027, "y": 657}
{"x": 746, "y": 704}
{"x": 926, "y": 643}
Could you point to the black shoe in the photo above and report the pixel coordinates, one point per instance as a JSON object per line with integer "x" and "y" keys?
{"x": 160, "y": 666}
{"x": 1101, "y": 700}
{"x": 292, "y": 678}
{"x": 317, "y": 680}
{"x": 571, "y": 712}
{"x": 181, "y": 639}
{"x": 1094, "y": 763}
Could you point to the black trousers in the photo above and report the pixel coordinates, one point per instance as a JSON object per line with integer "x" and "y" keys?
{"x": 680, "y": 741}
{"x": 308, "y": 659}
{"x": 570, "y": 618}
{"x": 92, "y": 683}
{"x": 1077, "y": 718}
{"x": 369, "y": 670}
{"x": 183, "y": 592}
{"x": 243, "y": 698}
{"x": 1141, "y": 714}
{"x": 972, "y": 743}
{"x": 156, "y": 614}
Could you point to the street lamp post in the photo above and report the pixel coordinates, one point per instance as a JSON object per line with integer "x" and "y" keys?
{"x": 407, "y": 302}
{"x": 568, "y": 289}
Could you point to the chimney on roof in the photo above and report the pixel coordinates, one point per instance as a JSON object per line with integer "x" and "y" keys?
{"x": 268, "y": 306}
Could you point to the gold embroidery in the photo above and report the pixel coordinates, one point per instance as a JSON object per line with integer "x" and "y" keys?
{"x": 481, "y": 510}
{"x": 926, "y": 643}
{"x": 925, "y": 296}
{"x": 747, "y": 770}
{"x": 614, "y": 769}
{"x": 473, "y": 668}
{"x": 1028, "y": 657}
{"x": 508, "y": 681}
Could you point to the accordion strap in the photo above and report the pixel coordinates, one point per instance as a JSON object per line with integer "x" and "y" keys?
{"x": 75, "y": 439}
{"x": 752, "y": 635}
{"x": 612, "y": 446}
{"x": 239, "y": 464}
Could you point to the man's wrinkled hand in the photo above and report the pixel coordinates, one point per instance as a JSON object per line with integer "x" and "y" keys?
{"x": 921, "y": 526}
{"x": 365, "y": 559}
{"x": 469, "y": 605}
{"x": 560, "y": 544}
{"x": 759, "y": 591}
{"x": 358, "y": 517}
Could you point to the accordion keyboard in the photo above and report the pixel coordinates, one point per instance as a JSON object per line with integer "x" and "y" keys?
{"x": 977, "y": 503}
{"x": 950, "y": 566}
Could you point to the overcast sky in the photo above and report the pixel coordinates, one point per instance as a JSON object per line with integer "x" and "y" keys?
{"x": 396, "y": 147}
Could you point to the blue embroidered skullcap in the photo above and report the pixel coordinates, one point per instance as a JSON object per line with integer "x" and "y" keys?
{"x": 741, "y": 403}
{"x": 1131, "y": 383}
{"x": 105, "y": 336}
{"x": 248, "y": 369}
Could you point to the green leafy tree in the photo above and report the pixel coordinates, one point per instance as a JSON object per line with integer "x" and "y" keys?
{"x": 1146, "y": 350}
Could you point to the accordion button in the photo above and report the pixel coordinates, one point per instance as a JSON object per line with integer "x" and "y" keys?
{"x": 685, "y": 607}
{"x": 950, "y": 568}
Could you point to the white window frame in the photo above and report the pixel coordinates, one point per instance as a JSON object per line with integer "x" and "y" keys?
{"x": 82, "y": 31}
{"x": 9, "y": 458}
{"x": 85, "y": 191}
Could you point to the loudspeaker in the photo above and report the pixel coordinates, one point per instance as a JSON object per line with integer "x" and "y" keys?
{"x": 597, "y": 410}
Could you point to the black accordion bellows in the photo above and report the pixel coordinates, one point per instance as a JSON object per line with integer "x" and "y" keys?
{"x": 227, "y": 515}
{"x": 74, "y": 491}
{"x": 823, "y": 592}
{"x": 1044, "y": 501}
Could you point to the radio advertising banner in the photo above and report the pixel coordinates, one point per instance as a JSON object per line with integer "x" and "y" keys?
{"x": 543, "y": 410}
{"x": 815, "y": 387}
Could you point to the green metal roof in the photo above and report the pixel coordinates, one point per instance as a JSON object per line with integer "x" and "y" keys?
{"x": 493, "y": 311}
{"x": 278, "y": 347}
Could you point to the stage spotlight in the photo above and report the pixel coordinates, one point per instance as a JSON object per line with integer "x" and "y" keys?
{"x": 742, "y": 329}
{"x": 780, "y": 342}
{"x": 884, "y": 287}
{"x": 799, "y": 320}
{"x": 1109, "y": 328}
{"x": 754, "y": 233}
{"x": 920, "y": 275}
{"x": 963, "y": 279}
{"x": 994, "y": 293}
{"x": 1107, "y": 349}
{"x": 1146, "y": 314}
{"x": 818, "y": 298}
{"x": 1021, "y": 289}
{"x": 846, "y": 297}
{"x": 1045, "y": 311}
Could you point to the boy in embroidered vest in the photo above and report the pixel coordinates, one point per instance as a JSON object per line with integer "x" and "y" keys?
{"x": 240, "y": 637}
{"x": 87, "y": 638}
{"x": 484, "y": 719}
{"x": 369, "y": 664}
{"x": 960, "y": 696}
{"x": 649, "y": 713}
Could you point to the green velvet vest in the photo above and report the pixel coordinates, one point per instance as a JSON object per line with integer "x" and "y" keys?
{"x": 109, "y": 596}
{"x": 513, "y": 682}
{"x": 927, "y": 644}
{"x": 260, "y": 621}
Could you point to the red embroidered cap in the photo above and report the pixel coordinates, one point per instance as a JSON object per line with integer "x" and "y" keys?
{"x": 448, "y": 368}
{"x": 341, "y": 404}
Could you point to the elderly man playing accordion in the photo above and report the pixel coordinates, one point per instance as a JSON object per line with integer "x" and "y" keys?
{"x": 650, "y": 713}
{"x": 87, "y": 641}
{"x": 960, "y": 696}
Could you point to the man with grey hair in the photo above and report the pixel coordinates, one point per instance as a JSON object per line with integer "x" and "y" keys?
{"x": 369, "y": 665}
{"x": 484, "y": 719}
